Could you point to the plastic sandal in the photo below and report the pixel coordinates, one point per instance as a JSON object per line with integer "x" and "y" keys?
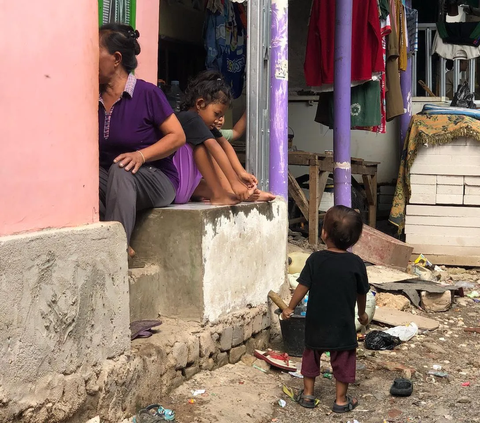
{"x": 349, "y": 406}
{"x": 401, "y": 388}
{"x": 154, "y": 413}
{"x": 307, "y": 401}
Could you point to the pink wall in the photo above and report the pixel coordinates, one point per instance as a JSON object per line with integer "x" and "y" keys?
{"x": 148, "y": 13}
{"x": 48, "y": 114}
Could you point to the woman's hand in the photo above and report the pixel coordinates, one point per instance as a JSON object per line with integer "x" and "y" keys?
{"x": 248, "y": 179}
{"x": 130, "y": 161}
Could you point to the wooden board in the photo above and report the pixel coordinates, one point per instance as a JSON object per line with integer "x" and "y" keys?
{"x": 415, "y": 239}
{"x": 450, "y": 180}
{"x": 383, "y": 274}
{"x": 445, "y": 231}
{"x": 392, "y": 317}
{"x": 449, "y": 189}
{"x": 422, "y": 179}
{"x": 465, "y": 222}
{"x": 472, "y": 180}
{"x": 451, "y": 260}
{"x": 424, "y": 198}
{"x": 473, "y": 200}
{"x": 472, "y": 190}
{"x": 446, "y": 211}
{"x": 428, "y": 249}
{"x": 449, "y": 199}
{"x": 451, "y": 169}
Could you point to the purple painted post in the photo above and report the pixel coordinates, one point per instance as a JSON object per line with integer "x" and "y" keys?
{"x": 278, "y": 173}
{"x": 342, "y": 171}
{"x": 406, "y": 85}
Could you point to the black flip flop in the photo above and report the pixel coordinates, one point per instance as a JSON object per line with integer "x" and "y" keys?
{"x": 306, "y": 401}
{"x": 141, "y": 328}
{"x": 349, "y": 406}
{"x": 401, "y": 388}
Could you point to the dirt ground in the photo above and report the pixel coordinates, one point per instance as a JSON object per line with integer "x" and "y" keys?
{"x": 242, "y": 393}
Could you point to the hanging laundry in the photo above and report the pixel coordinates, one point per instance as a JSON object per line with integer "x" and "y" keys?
{"x": 401, "y": 24}
{"x": 464, "y": 33}
{"x": 225, "y": 43}
{"x": 366, "y": 42}
{"x": 412, "y": 29}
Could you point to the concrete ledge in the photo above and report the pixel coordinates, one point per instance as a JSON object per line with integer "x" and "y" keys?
{"x": 64, "y": 310}
{"x": 208, "y": 261}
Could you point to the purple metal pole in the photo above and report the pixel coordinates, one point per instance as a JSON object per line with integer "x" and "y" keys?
{"x": 406, "y": 85}
{"x": 278, "y": 172}
{"x": 342, "y": 171}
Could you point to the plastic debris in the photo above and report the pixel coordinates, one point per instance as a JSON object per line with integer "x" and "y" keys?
{"x": 296, "y": 374}
{"x": 282, "y": 403}
{"x": 423, "y": 262}
{"x": 404, "y": 333}
{"x": 198, "y": 392}
{"x": 473, "y": 294}
{"x": 466, "y": 384}
{"x": 259, "y": 368}
{"x": 191, "y": 401}
{"x": 438, "y": 374}
{"x": 289, "y": 392}
{"x": 327, "y": 375}
{"x": 378, "y": 340}
{"x": 354, "y": 421}
{"x": 465, "y": 284}
{"x": 437, "y": 367}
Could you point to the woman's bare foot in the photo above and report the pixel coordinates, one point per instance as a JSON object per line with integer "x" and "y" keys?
{"x": 261, "y": 196}
{"x": 131, "y": 252}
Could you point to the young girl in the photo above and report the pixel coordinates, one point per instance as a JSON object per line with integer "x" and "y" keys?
{"x": 336, "y": 280}
{"x": 207, "y": 154}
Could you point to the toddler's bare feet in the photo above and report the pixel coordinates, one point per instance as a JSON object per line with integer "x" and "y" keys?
{"x": 131, "y": 252}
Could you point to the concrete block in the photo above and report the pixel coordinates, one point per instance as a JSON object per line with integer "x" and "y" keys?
{"x": 226, "y": 338}
{"x": 450, "y": 189}
{"x": 449, "y": 198}
{"x": 262, "y": 340}
{"x": 193, "y": 346}
{"x": 248, "y": 330}
{"x": 222, "y": 359}
{"x": 472, "y": 180}
{"x": 236, "y": 354}
{"x": 180, "y": 354}
{"x": 266, "y": 321}
{"x": 450, "y": 180}
{"x": 144, "y": 287}
{"x": 436, "y": 301}
{"x": 378, "y": 248}
{"x": 64, "y": 304}
{"x": 416, "y": 179}
{"x": 207, "y": 345}
{"x": 237, "y": 336}
{"x": 471, "y": 200}
{"x": 218, "y": 259}
{"x": 189, "y": 372}
{"x": 257, "y": 324}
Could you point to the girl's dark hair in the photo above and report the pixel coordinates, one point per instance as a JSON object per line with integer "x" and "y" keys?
{"x": 208, "y": 85}
{"x": 343, "y": 226}
{"x": 122, "y": 38}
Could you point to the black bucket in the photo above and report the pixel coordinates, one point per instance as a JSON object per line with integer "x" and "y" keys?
{"x": 293, "y": 334}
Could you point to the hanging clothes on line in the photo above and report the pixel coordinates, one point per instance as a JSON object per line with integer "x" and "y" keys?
{"x": 366, "y": 42}
{"x": 225, "y": 42}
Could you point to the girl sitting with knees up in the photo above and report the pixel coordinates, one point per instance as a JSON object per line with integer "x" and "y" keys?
{"x": 207, "y": 154}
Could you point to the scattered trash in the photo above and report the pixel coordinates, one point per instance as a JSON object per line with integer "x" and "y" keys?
{"x": 378, "y": 340}
{"x": 476, "y": 300}
{"x": 259, "y": 368}
{"x": 198, "y": 392}
{"x": 473, "y": 294}
{"x": 438, "y": 374}
{"x": 282, "y": 403}
{"x": 437, "y": 367}
{"x": 404, "y": 333}
{"x": 145, "y": 415}
{"x": 327, "y": 375}
{"x": 277, "y": 359}
{"x": 354, "y": 421}
{"x": 401, "y": 388}
{"x": 473, "y": 330}
{"x": 327, "y": 354}
{"x": 465, "y": 284}
{"x": 191, "y": 401}
{"x": 423, "y": 262}
{"x": 466, "y": 384}
{"x": 289, "y": 392}
{"x": 361, "y": 366}
{"x": 296, "y": 374}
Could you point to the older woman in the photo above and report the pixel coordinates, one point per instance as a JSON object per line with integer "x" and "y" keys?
{"x": 138, "y": 134}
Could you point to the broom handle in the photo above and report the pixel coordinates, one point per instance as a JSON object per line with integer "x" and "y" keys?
{"x": 277, "y": 300}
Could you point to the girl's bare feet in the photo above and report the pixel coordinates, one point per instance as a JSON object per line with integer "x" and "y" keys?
{"x": 131, "y": 252}
{"x": 261, "y": 196}
{"x": 226, "y": 199}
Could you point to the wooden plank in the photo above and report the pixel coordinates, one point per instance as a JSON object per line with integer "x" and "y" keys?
{"x": 417, "y": 189}
{"x": 453, "y": 169}
{"x": 446, "y": 231}
{"x": 414, "y": 239}
{"x": 450, "y": 180}
{"x": 472, "y": 190}
{"x": 449, "y": 250}
{"x": 472, "y": 180}
{"x": 449, "y": 199}
{"x": 392, "y": 317}
{"x": 423, "y": 179}
{"x": 298, "y": 195}
{"x": 455, "y": 221}
{"x": 471, "y": 200}
{"x": 446, "y": 160}
{"x": 313, "y": 204}
{"x": 447, "y": 211}
{"x": 450, "y": 189}
{"x": 453, "y": 150}
{"x": 452, "y": 260}
{"x": 322, "y": 183}
{"x": 423, "y": 198}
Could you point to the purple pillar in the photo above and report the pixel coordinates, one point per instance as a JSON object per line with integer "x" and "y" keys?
{"x": 406, "y": 85}
{"x": 278, "y": 173}
{"x": 342, "y": 172}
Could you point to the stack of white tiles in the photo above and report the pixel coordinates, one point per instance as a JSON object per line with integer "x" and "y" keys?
{"x": 443, "y": 214}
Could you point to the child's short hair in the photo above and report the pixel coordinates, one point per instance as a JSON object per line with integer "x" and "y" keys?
{"x": 208, "y": 85}
{"x": 343, "y": 226}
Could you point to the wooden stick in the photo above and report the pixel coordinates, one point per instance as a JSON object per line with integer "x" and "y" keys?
{"x": 426, "y": 88}
{"x": 474, "y": 330}
{"x": 277, "y": 300}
